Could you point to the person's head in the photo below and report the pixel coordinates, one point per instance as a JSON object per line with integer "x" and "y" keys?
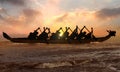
{"x": 91, "y": 28}
{"x": 38, "y": 27}
{"x": 60, "y": 27}
{"x": 48, "y": 28}
{"x": 44, "y": 28}
{"x": 76, "y": 26}
{"x": 66, "y": 28}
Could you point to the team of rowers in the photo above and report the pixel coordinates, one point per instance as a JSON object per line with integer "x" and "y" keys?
{"x": 47, "y": 35}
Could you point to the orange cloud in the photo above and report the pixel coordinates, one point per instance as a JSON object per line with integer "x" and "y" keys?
{"x": 27, "y": 20}
{"x": 52, "y": 16}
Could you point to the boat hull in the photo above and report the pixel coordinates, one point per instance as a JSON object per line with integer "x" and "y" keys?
{"x": 59, "y": 41}
{"x": 26, "y": 40}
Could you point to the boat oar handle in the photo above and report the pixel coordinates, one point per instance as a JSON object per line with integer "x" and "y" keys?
{"x": 87, "y": 29}
{"x": 37, "y": 29}
{"x": 71, "y": 30}
{"x": 40, "y": 30}
{"x": 49, "y": 30}
{"x": 60, "y": 29}
{"x": 79, "y": 29}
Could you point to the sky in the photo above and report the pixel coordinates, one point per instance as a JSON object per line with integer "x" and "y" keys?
{"x": 24, "y": 16}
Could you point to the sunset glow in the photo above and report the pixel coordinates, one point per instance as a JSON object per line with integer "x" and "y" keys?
{"x": 24, "y": 16}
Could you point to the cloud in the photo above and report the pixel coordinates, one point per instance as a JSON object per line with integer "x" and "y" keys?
{"x": 1, "y": 17}
{"x": 108, "y": 13}
{"x": 32, "y": 15}
{"x": 28, "y": 19}
{"x": 14, "y": 2}
{"x": 2, "y": 12}
{"x": 62, "y": 18}
{"x": 54, "y": 1}
{"x": 27, "y": 16}
{"x": 31, "y": 12}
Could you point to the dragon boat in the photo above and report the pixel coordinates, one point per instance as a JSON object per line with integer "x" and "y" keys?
{"x": 60, "y": 41}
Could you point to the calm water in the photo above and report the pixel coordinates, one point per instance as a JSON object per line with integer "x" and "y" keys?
{"x": 20, "y": 51}
{"x": 107, "y": 44}
{"x": 105, "y": 56}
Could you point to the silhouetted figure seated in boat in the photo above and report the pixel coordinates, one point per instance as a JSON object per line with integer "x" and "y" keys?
{"x": 56, "y": 35}
{"x": 33, "y": 35}
{"x": 90, "y": 35}
{"x": 44, "y": 34}
{"x": 82, "y": 34}
{"x": 65, "y": 34}
{"x": 74, "y": 34}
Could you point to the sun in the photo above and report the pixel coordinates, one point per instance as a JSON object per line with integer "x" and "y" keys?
{"x": 61, "y": 33}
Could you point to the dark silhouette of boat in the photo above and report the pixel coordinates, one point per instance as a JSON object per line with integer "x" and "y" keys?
{"x": 59, "y": 41}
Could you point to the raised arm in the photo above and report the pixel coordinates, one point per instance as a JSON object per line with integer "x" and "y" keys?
{"x": 37, "y": 29}
{"x": 82, "y": 29}
{"x": 70, "y": 29}
{"x": 87, "y": 29}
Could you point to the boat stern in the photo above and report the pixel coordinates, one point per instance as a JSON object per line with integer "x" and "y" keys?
{"x": 6, "y": 36}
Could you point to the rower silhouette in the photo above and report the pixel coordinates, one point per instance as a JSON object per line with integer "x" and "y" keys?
{"x": 65, "y": 34}
{"x": 44, "y": 34}
{"x": 82, "y": 34}
{"x": 74, "y": 33}
{"x": 90, "y": 34}
{"x": 56, "y": 35}
{"x": 33, "y": 35}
